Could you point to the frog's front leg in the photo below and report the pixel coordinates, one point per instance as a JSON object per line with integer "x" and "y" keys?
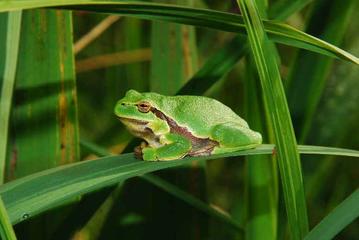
{"x": 138, "y": 150}
{"x": 174, "y": 146}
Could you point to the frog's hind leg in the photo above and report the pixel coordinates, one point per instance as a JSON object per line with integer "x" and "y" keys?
{"x": 232, "y": 137}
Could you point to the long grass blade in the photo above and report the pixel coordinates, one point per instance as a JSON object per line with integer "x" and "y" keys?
{"x": 44, "y": 111}
{"x": 279, "y": 32}
{"x": 45, "y": 95}
{"x": 173, "y": 190}
{"x": 337, "y": 220}
{"x": 6, "y": 230}
{"x": 273, "y": 93}
{"x": 8, "y": 81}
{"x": 36, "y": 193}
{"x": 261, "y": 171}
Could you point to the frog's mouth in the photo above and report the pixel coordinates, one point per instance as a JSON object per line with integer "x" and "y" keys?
{"x": 132, "y": 121}
{"x": 138, "y": 128}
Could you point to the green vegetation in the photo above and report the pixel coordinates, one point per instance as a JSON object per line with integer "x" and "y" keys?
{"x": 288, "y": 67}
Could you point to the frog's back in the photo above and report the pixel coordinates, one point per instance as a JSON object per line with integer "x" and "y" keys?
{"x": 198, "y": 113}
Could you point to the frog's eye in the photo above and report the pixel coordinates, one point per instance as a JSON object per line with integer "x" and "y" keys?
{"x": 144, "y": 107}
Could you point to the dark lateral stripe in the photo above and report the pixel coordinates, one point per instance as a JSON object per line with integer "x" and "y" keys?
{"x": 200, "y": 146}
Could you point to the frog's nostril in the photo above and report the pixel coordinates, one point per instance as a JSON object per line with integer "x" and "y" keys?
{"x": 123, "y": 104}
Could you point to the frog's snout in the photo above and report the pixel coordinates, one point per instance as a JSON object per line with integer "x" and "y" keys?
{"x": 119, "y": 107}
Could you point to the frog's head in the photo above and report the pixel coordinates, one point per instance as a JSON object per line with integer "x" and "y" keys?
{"x": 135, "y": 111}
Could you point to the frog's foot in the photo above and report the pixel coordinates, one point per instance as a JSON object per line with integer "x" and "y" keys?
{"x": 139, "y": 150}
{"x": 149, "y": 154}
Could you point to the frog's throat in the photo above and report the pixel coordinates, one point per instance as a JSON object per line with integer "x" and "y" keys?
{"x": 200, "y": 146}
{"x": 140, "y": 129}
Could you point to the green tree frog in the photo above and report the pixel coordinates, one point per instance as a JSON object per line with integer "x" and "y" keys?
{"x": 178, "y": 126}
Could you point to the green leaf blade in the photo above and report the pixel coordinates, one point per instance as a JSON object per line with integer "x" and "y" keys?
{"x": 173, "y": 190}
{"x": 6, "y": 230}
{"x": 45, "y": 93}
{"x": 277, "y": 31}
{"x": 288, "y": 157}
{"x": 337, "y": 220}
{"x": 193, "y": 16}
{"x": 31, "y": 195}
{"x": 8, "y": 81}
